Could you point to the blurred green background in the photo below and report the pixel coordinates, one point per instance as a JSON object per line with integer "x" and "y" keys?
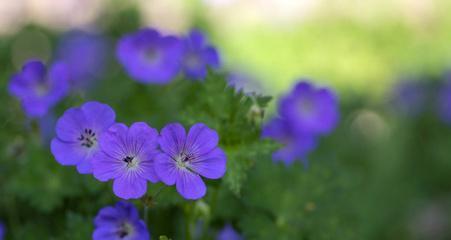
{"x": 379, "y": 176}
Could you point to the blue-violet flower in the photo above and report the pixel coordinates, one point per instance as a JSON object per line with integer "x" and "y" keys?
{"x": 127, "y": 157}
{"x": 149, "y": 57}
{"x": 119, "y": 222}
{"x": 37, "y": 89}
{"x": 77, "y": 134}
{"x": 187, "y": 157}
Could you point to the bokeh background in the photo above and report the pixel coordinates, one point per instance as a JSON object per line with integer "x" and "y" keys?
{"x": 384, "y": 174}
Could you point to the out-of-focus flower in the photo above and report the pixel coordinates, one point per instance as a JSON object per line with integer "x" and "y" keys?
{"x": 444, "y": 102}
{"x": 187, "y": 157}
{"x": 85, "y": 55}
{"x": 120, "y": 222}
{"x": 310, "y": 109}
{"x": 149, "y": 57}
{"x": 245, "y": 83}
{"x": 296, "y": 145}
{"x": 198, "y": 56}
{"x": 409, "y": 98}
{"x": 77, "y": 134}
{"x": 127, "y": 156}
{"x": 305, "y": 113}
{"x": 228, "y": 233}
{"x": 39, "y": 89}
{"x": 2, "y": 231}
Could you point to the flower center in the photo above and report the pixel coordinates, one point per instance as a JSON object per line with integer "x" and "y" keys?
{"x": 88, "y": 138}
{"x": 131, "y": 161}
{"x": 126, "y": 229}
{"x": 151, "y": 55}
{"x": 306, "y": 107}
{"x": 183, "y": 160}
{"x": 192, "y": 60}
{"x": 41, "y": 89}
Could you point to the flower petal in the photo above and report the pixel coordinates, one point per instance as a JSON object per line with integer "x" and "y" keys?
{"x": 166, "y": 168}
{"x": 100, "y": 116}
{"x": 211, "y": 165}
{"x": 67, "y": 153}
{"x": 201, "y": 139}
{"x": 112, "y": 141}
{"x": 172, "y": 139}
{"x": 85, "y": 165}
{"x": 129, "y": 186}
{"x": 104, "y": 233}
{"x": 106, "y": 167}
{"x": 190, "y": 185}
{"x": 70, "y": 125}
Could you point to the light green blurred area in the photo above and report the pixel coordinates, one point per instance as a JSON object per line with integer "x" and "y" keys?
{"x": 357, "y": 56}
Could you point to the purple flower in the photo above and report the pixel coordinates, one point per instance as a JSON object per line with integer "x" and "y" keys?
{"x": 198, "y": 55}
{"x": 119, "y": 222}
{"x": 187, "y": 157}
{"x": 127, "y": 156}
{"x": 409, "y": 98}
{"x": 308, "y": 109}
{"x": 85, "y": 55}
{"x": 296, "y": 145}
{"x": 228, "y": 233}
{"x": 77, "y": 132}
{"x": 149, "y": 57}
{"x": 444, "y": 103}
{"x": 37, "y": 89}
{"x": 2, "y": 231}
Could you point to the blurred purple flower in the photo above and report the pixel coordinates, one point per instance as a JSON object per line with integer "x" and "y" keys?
{"x": 444, "y": 103}
{"x": 119, "y": 222}
{"x": 305, "y": 113}
{"x": 296, "y": 145}
{"x": 149, "y": 57}
{"x": 228, "y": 233}
{"x": 308, "y": 109}
{"x": 77, "y": 132}
{"x": 127, "y": 157}
{"x": 85, "y": 55}
{"x": 37, "y": 89}
{"x": 409, "y": 98}
{"x": 187, "y": 157}
{"x": 198, "y": 55}
{"x": 2, "y": 231}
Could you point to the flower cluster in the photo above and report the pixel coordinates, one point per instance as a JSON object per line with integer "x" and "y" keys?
{"x": 150, "y": 57}
{"x": 304, "y": 114}
{"x": 88, "y": 137}
{"x": 120, "y": 221}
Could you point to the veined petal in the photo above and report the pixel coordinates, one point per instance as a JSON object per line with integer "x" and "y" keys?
{"x": 201, "y": 139}
{"x": 100, "y": 116}
{"x": 67, "y": 153}
{"x": 190, "y": 185}
{"x": 71, "y": 124}
{"x": 211, "y": 165}
{"x": 106, "y": 167}
{"x": 129, "y": 186}
{"x": 166, "y": 168}
{"x": 172, "y": 139}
